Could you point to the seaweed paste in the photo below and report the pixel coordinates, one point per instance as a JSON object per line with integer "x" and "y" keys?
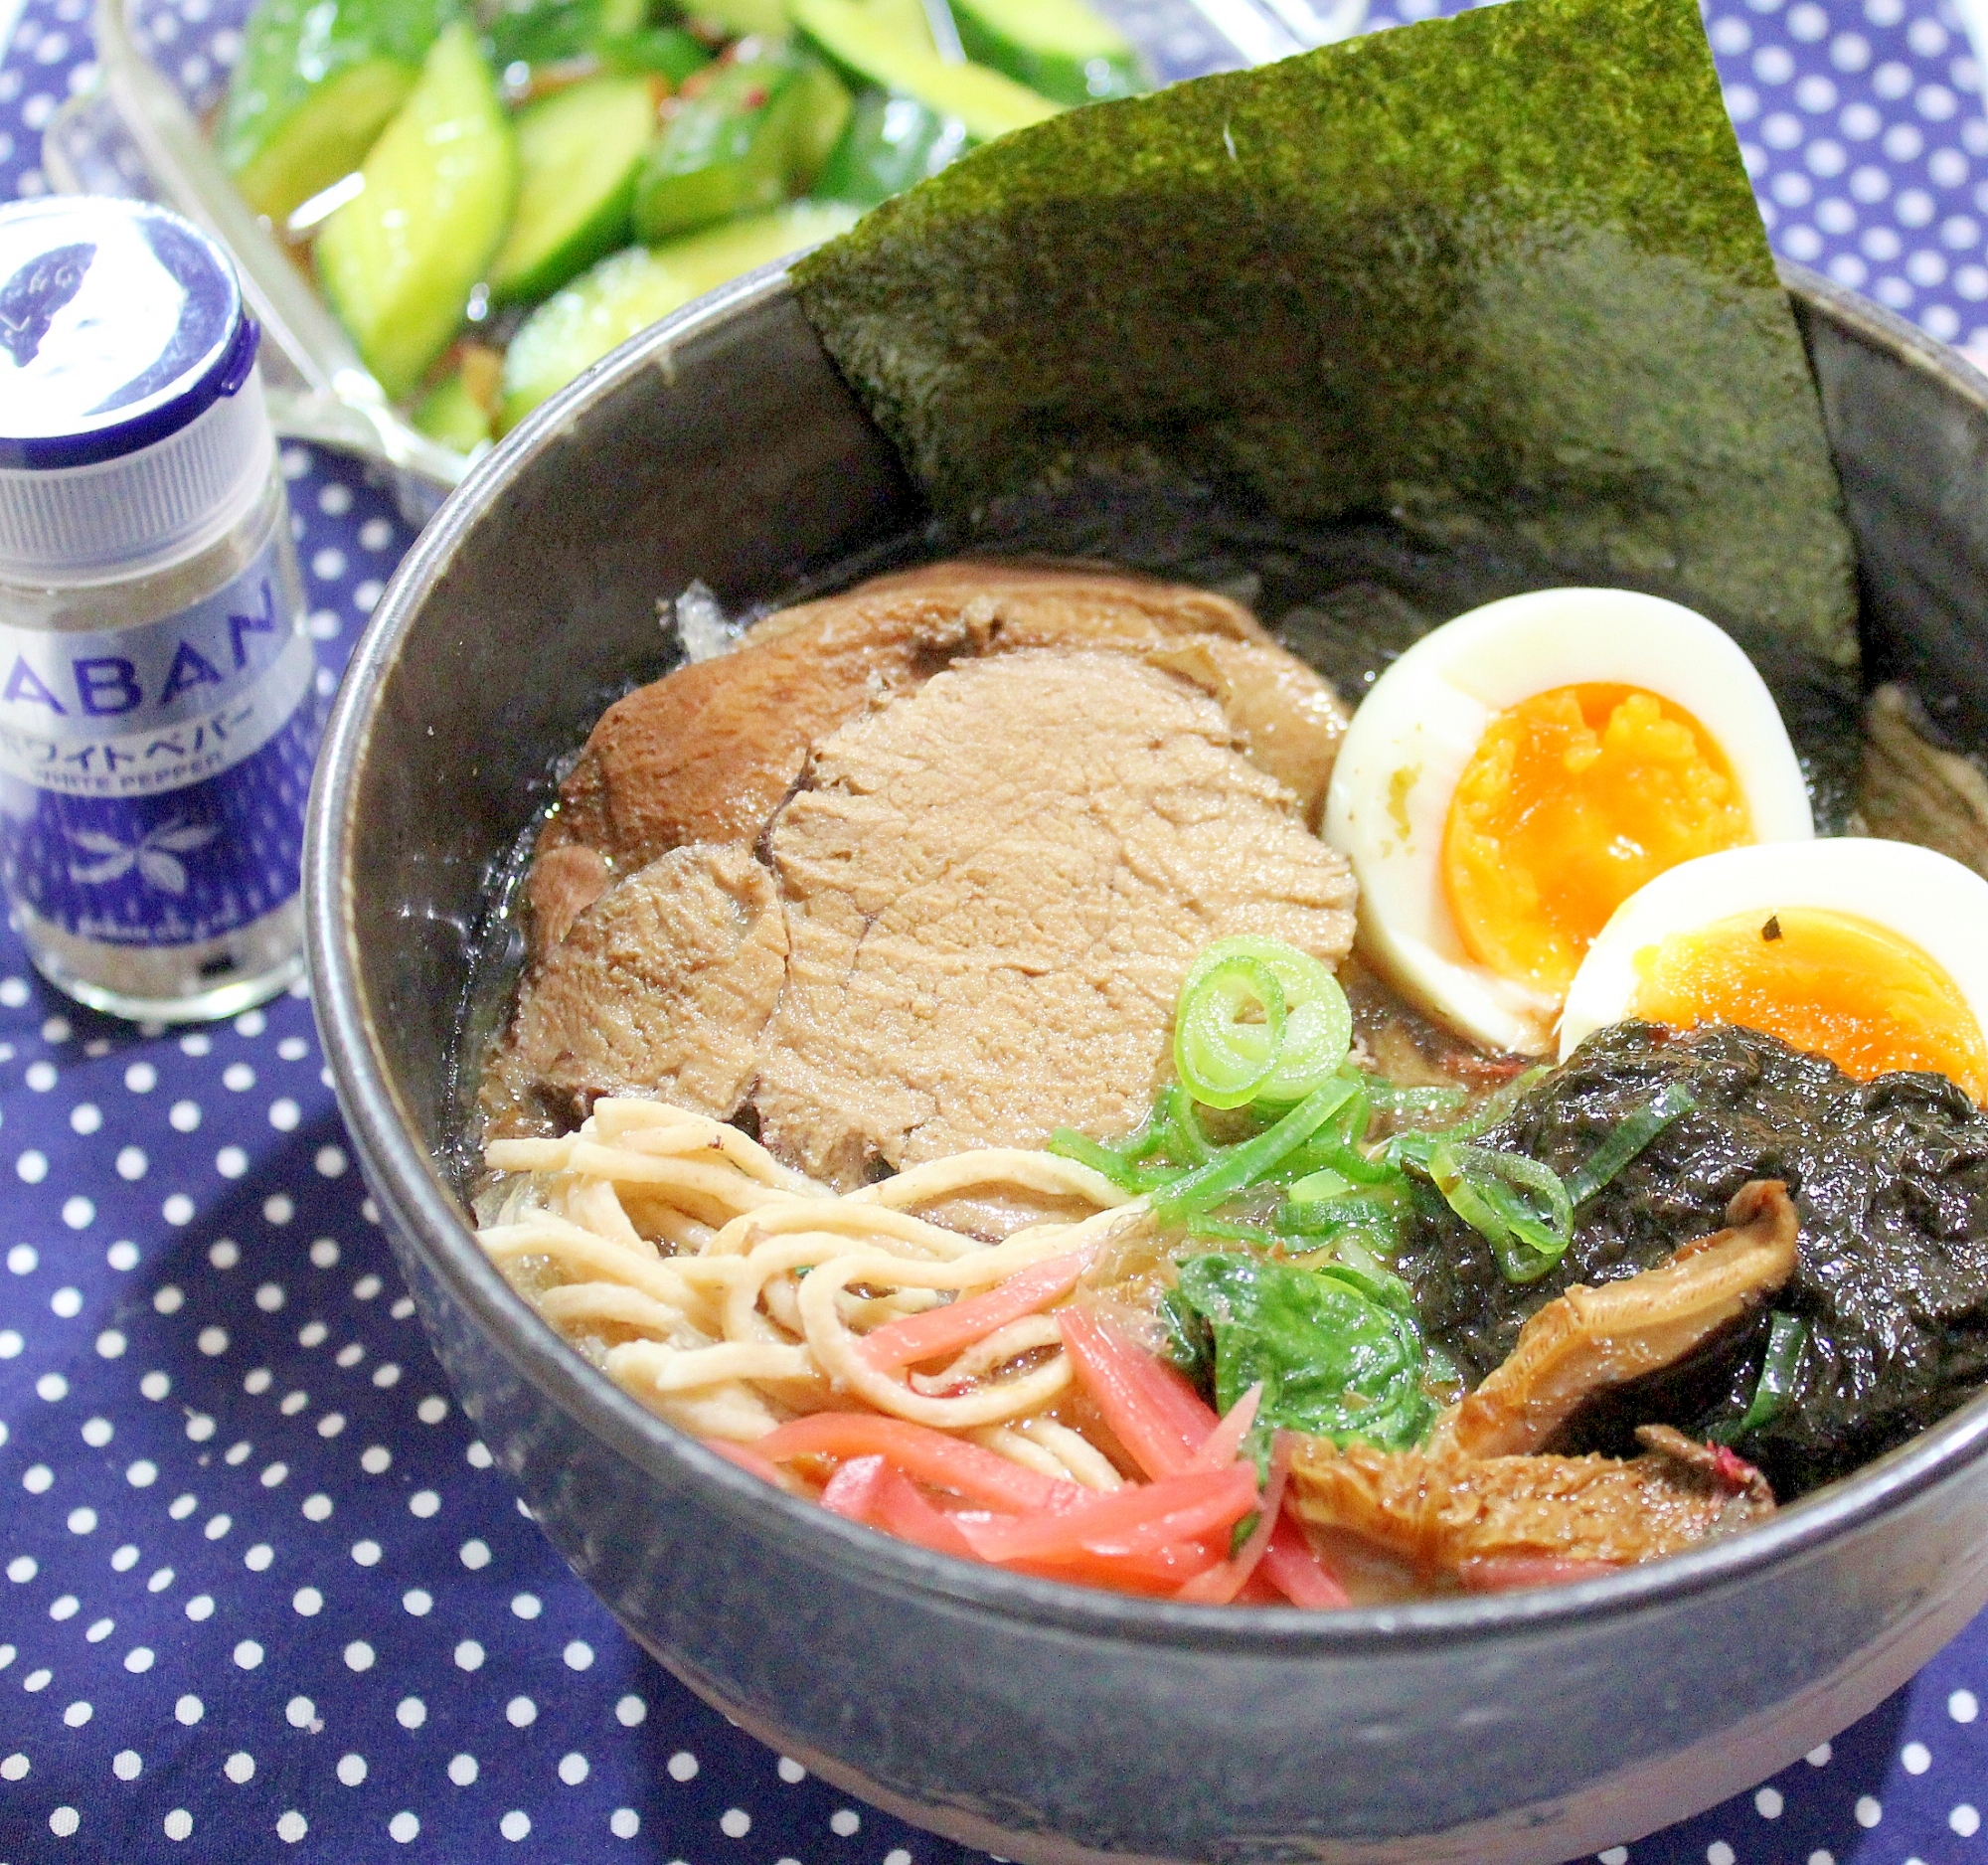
{"x": 1889, "y": 1178}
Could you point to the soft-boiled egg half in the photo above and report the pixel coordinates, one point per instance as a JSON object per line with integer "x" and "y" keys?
{"x": 1522, "y": 770}
{"x": 1872, "y": 953}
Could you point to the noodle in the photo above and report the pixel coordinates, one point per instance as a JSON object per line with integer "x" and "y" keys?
{"x": 728, "y": 1294}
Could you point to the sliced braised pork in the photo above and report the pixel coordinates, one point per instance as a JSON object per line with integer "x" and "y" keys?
{"x": 669, "y": 976}
{"x": 978, "y": 911}
{"x": 994, "y": 886}
{"x": 708, "y": 753}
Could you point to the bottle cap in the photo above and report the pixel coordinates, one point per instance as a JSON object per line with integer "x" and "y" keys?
{"x": 131, "y": 422}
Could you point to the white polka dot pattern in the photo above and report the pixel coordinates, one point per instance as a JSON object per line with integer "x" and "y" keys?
{"x": 262, "y": 1588}
{"x": 262, "y": 1597}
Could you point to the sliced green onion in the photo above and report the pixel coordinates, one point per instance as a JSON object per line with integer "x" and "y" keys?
{"x": 1241, "y": 1166}
{"x": 1411, "y": 1101}
{"x": 1184, "y": 1140}
{"x": 1629, "y": 1138}
{"x": 1411, "y": 1150}
{"x": 1466, "y": 1196}
{"x": 1223, "y": 1052}
{"x": 1153, "y": 1132}
{"x": 1416, "y": 1147}
{"x": 1365, "y": 1212}
{"x": 1113, "y": 1161}
{"x": 1373, "y": 1282}
{"x": 1315, "y": 1187}
{"x": 1355, "y": 1117}
{"x": 1533, "y": 1247}
{"x": 1068, "y": 1144}
{"x": 1330, "y": 1155}
{"x": 1214, "y": 1049}
{"x": 1358, "y": 1204}
{"x": 1494, "y": 1108}
{"x": 1529, "y": 1175}
{"x": 1346, "y": 1248}
{"x": 1486, "y": 1190}
{"x": 1231, "y": 1231}
{"x": 1318, "y": 1035}
{"x": 1785, "y": 1340}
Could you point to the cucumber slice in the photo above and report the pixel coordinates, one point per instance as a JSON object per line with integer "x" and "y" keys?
{"x": 398, "y": 262}
{"x": 1061, "y": 48}
{"x": 862, "y": 43}
{"x": 632, "y": 289}
{"x": 667, "y": 50}
{"x": 317, "y": 81}
{"x": 741, "y": 143}
{"x": 742, "y": 19}
{"x": 891, "y": 143}
{"x": 905, "y": 19}
{"x": 457, "y": 411}
{"x": 548, "y": 32}
{"x": 578, "y": 153}
{"x": 724, "y": 151}
{"x": 451, "y": 413}
{"x": 820, "y": 117}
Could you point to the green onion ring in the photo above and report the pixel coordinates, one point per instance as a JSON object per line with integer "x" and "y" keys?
{"x": 1478, "y": 1185}
{"x": 1223, "y": 1060}
{"x": 1318, "y": 1027}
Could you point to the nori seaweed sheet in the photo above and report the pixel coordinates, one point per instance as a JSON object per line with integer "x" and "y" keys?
{"x": 1498, "y": 279}
{"x": 1890, "y": 1181}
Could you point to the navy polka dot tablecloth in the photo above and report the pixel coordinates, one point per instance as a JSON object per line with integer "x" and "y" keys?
{"x": 261, "y": 1595}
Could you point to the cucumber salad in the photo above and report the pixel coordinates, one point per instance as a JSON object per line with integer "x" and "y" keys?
{"x": 493, "y": 194}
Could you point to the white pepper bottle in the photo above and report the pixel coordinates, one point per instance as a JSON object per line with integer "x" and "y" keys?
{"x": 158, "y": 705}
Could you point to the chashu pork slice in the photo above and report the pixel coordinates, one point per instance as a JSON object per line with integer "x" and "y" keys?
{"x": 707, "y": 753}
{"x": 967, "y": 928}
{"x": 993, "y": 888}
{"x": 667, "y": 980}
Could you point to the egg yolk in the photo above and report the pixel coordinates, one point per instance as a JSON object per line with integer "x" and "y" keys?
{"x": 1571, "y": 800}
{"x": 1825, "y": 982}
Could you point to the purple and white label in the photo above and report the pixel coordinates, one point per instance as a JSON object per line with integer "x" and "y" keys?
{"x": 153, "y": 778}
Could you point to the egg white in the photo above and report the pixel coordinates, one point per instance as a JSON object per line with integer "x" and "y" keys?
{"x": 1412, "y": 736}
{"x": 1926, "y": 899}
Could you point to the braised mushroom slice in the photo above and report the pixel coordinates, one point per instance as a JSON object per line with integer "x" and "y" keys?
{"x": 1495, "y": 1522}
{"x": 1591, "y": 1339}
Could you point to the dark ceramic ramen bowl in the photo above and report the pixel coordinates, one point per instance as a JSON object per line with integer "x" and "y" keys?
{"x": 1041, "y": 1722}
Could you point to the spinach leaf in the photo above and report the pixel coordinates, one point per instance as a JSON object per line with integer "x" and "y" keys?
{"x": 1332, "y": 1358}
{"x": 1190, "y": 1340}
